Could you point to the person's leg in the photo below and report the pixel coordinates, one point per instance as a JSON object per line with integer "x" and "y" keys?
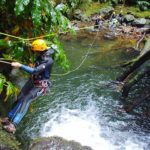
{"x": 20, "y": 113}
{"x": 17, "y": 104}
{"x": 22, "y": 107}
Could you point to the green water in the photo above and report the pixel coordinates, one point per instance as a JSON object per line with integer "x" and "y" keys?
{"x": 84, "y": 105}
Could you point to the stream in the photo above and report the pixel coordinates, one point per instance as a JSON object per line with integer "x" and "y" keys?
{"x": 84, "y": 105}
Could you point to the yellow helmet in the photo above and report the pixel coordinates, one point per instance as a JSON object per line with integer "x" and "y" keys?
{"x": 39, "y": 45}
{"x": 100, "y": 17}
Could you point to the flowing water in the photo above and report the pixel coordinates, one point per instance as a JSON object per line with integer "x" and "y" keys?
{"x": 84, "y": 105}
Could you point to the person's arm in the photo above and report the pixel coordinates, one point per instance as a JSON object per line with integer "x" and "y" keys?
{"x": 35, "y": 70}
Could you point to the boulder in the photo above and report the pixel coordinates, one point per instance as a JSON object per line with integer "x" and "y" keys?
{"x": 147, "y": 21}
{"x": 129, "y": 18}
{"x": 78, "y": 14}
{"x": 56, "y": 143}
{"x": 106, "y": 11}
{"x": 139, "y": 22}
{"x": 8, "y": 141}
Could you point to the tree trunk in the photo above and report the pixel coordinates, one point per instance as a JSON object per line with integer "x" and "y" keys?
{"x": 132, "y": 81}
{"x": 141, "y": 99}
{"x": 137, "y": 62}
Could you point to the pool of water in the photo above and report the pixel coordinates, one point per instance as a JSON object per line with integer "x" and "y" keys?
{"x": 84, "y": 105}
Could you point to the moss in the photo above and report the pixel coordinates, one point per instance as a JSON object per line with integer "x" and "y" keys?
{"x": 8, "y": 141}
{"x": 94, "y": 8}
{"x": 56, "y": 143}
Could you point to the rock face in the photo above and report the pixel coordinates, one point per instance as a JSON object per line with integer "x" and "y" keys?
{"x": 56, "y": 143}
{"x": 8, "y": 141}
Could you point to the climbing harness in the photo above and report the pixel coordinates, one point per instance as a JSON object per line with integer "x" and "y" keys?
{"x": 42, "y": 84}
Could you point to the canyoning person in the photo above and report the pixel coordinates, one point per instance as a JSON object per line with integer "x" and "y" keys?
{"x": 98, "y": 22}
{"x": 113, "y": 21}
{"x": 37, "y": 85}
{"x": 119, "y": 17}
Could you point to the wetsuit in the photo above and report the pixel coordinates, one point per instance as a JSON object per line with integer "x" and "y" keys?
{"x": 37, "y": 85}
{"x": 98, "y": 23}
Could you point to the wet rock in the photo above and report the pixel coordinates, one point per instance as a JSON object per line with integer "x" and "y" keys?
{"x": 146, "y": 46}
{"x": 110, "y": 36}
{"x": 7, "y": 140}
{"x": 129, "y": 18}
{"x": 147, "y": 21}
{"x": 78, "y": 14}
{"x": 139, "y": 22}
{"x": 56, "y": 143}
{"x": 106, "y": 11}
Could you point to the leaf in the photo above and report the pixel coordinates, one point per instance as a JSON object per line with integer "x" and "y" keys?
{"x": 1, "y": 85}
{"x": 3, "y": 43}
{"x": 20, "y": 6}
{"x": 36, "y": 13}
{"x": 61, "y": 7}
{"x": 15, "y": 30}
{"x": 10, "y": 90}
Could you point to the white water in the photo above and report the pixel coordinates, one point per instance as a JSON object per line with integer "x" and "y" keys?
{"x": 84, "y": 127}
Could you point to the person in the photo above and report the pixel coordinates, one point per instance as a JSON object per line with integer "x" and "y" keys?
{"x": 37, "y": 84}
{"x": 99, "y": 23}
{"x": 113, "y": 21}
{"x": 120, "y": 17}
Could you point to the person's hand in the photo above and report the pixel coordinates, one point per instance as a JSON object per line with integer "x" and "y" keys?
{"x": 16, "y": 64}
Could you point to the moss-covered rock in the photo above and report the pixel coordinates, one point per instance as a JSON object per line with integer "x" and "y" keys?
{"x": 56, "y": 143}
{"x": 8, "y": 141}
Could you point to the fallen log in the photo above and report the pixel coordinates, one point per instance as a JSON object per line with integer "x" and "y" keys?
{"x": 128, "y": 83}
{"x": 136, "y": 63}
{"x": 145, "y": 96}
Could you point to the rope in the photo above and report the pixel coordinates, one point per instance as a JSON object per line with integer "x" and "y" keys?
{"x": 47, "y": 35}
{"x": 81, "y": 61}
{"x": 5, "y": 62}
{"x": 51, "y": 35}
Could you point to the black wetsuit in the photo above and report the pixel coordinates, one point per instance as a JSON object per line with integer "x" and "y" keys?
{"x": 37, "y": 85}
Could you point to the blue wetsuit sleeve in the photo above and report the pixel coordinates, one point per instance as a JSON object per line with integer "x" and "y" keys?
{"x": 27, "y": 69}
{"x": 37, "y": 69}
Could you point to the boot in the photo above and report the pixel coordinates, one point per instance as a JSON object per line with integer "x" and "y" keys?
{"x": 10, "y": 128}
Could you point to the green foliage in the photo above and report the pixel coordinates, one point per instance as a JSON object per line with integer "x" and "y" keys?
{"x": 20, "y": 6}
{"x": 143, "y": 5}
{"x": 34, "y": 18}
{"x": 60, "y": 56}
{"x": 10, "y": 88}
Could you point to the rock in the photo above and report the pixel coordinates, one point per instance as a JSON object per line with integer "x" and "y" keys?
{"x": 139, "y": 22}
{"x": 147, "y": 21}
{"x": 8, "y": 141}
{"x": 129, "y": 18}
{"x": 106, "y": 11}
{"x": 146, "y": 46}
{"x": 78, "y": 14}
{"x": 110, "y": 36}
{"x": 56, "y": 143}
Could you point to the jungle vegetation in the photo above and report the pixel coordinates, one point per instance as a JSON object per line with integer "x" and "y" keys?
{"x": 22, "y": 21}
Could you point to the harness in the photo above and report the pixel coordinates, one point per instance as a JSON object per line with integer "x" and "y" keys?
{"x": 42, "y": 84}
